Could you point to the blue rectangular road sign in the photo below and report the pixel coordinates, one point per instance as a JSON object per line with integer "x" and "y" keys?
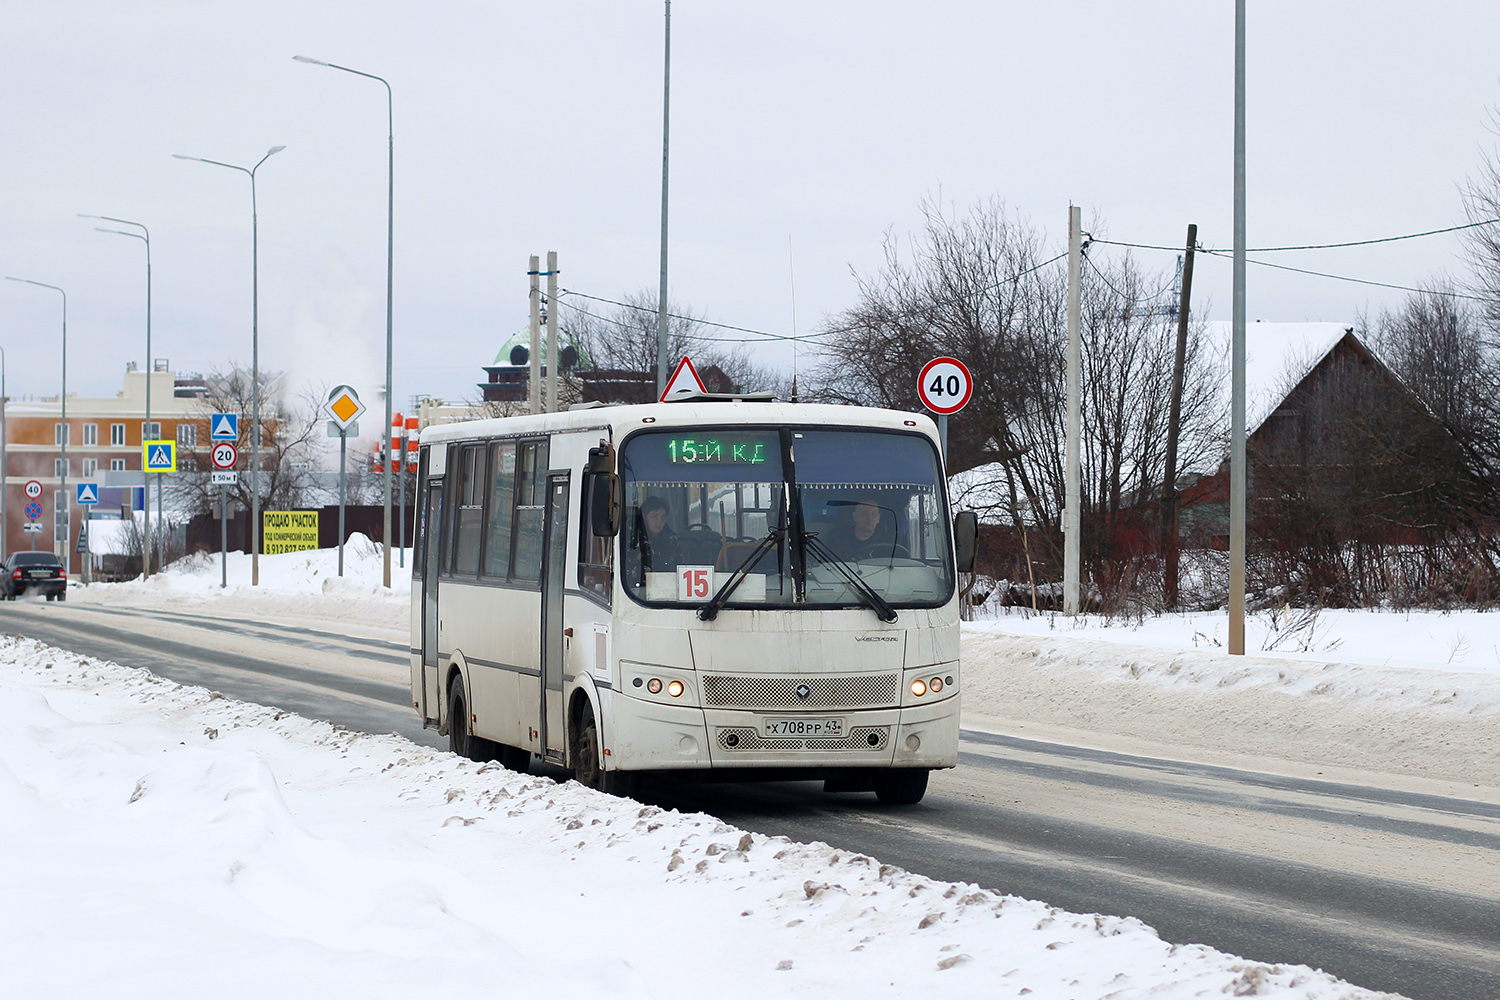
{"x": 86, "y": 493}
{"x": 224, "y": 427}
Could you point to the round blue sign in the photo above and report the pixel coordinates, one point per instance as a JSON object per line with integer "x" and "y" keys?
{"x": 33, "y": 510}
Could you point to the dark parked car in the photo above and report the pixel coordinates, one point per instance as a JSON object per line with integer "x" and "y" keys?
{"x": 35, "y": 571}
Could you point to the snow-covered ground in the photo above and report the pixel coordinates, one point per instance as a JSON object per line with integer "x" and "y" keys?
{"x": 163, "y": 841}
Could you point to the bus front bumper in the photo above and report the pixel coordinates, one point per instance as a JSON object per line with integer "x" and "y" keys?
{"x": 654, "y": 737}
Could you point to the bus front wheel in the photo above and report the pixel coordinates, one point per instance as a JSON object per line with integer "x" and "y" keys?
{"x": 901, "y": 787}
{"x": 588, "y": 761}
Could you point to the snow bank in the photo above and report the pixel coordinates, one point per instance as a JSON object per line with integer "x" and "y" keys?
{"x": 296, "y": 584}
{"x": 163, "y": 841}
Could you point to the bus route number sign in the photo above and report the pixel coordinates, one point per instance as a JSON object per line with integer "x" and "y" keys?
{"x": 945, "y": 385}
{"x": 695, "y": 583}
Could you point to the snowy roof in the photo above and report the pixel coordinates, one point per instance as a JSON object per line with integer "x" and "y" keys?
{"x": 1277, "y": 357}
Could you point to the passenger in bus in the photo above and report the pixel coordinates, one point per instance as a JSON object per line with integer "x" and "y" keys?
{"x": 863, "y": 533}
{"x": 660, "y": 551}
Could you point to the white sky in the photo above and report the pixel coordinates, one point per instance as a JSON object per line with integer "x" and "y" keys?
{"x": 522, "y": 128}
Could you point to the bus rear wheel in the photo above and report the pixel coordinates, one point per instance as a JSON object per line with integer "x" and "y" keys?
{"x": 901, "y": 787}
{"x": 460, "y": 740}
{"x": 588, "y": 761}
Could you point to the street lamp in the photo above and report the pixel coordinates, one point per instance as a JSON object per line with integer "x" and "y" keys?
{"x": 145, "y": 236}
{"x": 254, "y": 355}
{"x": 390, "y": 222}
{"x": 62, "y": 495}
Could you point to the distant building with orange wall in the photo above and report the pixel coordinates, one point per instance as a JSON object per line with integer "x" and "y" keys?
{"x": 104, "y": 438}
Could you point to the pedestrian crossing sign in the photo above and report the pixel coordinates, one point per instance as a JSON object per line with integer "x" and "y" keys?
{"x": 159, "y": 456}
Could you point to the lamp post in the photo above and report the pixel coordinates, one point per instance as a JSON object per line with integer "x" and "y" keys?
{"x": 145, "y": 236}
{"x": 62, "y": 495}
{"x": 390, "y": 222}
{"x": 254, "y": 355}
{"x": 661, "y": 296}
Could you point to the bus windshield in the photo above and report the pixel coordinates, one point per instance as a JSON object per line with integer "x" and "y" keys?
{"x": 815, "y": 517}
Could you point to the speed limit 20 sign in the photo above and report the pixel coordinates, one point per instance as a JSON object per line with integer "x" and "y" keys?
{"x": 225, "y": 455}
{"x": 945, "y": 385}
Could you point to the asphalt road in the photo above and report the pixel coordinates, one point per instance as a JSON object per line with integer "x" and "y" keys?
{"x": 1389, "y": 889}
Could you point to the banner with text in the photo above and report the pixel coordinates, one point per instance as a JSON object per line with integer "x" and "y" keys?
{"x": 288, "y": 531}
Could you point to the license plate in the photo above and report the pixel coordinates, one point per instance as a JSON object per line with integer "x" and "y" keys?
{"x": 817, "y": 728}
{"x": 38, "y": 574}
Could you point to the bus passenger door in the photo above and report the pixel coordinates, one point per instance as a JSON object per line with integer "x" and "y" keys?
{"x": 431, "y": 550}
{"x": 555, "y": 546}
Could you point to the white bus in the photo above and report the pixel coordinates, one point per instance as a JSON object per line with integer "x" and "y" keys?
{"x": 712, "y": 588}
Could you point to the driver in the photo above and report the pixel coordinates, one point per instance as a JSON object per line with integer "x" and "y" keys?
{"x": 659, "y": 549}
{"x": 864, "y": 533}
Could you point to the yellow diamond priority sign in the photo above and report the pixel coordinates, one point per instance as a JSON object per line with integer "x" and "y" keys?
{"x": 344, "y": 406}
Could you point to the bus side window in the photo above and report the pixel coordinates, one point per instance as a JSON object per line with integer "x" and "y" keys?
{"x": 596, "y": 556}
{"x": 502, "y": 510}
{"x": 531, "y": 503}
{"x": 468, "y": 511}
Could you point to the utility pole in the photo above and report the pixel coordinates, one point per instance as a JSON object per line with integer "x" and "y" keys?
{"x": 1237, "y": 472}
{"x": 1072, "y": 472}
{"x": 552, "y": 364}
{"x": 1174, "y": 427}
{"x": 534, "y": 385}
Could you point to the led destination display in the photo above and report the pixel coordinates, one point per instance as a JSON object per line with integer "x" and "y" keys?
{"x": 721, "y": 449}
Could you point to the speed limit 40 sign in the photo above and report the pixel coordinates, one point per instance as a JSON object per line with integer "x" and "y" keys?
{"x": 945, "y": 385}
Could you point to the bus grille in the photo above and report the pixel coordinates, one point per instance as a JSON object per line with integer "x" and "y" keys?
{"x": 859, "y": 738}
{"x": 850, "y": 691}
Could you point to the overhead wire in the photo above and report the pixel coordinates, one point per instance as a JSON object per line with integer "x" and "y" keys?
{"x": 762, "y": 336}
{"x": 1344, "y": 277}
{"x": 1311, "y": 246}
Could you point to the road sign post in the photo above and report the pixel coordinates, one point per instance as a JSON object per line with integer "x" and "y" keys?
{"x": 344, "y": 406}
{"x": 86, "y": 495}
{"x": 224, "y": 430}
{"x": 224, "y": 455}
{"x": 33, "y": 511}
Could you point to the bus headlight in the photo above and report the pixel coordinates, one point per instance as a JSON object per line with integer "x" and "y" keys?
{"x": 675, "y": 689}
{"x": 919, "y": 687}
{"x": 936, "y": 684}
{"x": 654, "y": 686}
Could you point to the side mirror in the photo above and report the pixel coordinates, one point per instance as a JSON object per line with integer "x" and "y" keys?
{"x": 603, "y": 487}
{"x": 966, "y": 539}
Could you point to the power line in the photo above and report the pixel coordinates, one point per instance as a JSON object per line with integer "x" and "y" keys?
{"x": 691, "y": 319}
{"x": 1358, "y": 281}
{"x": 687, "y": 336}
{"x": 1312, "y": 246}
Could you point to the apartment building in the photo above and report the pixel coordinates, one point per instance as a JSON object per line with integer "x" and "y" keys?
{"x": 103, "y": 436}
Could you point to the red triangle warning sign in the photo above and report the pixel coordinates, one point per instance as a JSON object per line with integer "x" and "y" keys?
{"x": 684, "y": 379}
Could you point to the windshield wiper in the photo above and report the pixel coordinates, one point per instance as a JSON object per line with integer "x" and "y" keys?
{"x": 711, "y": 610}
{"x": 881, "y": 606}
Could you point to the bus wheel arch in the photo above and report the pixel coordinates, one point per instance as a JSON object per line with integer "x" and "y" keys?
{"x": 586, "y": 751}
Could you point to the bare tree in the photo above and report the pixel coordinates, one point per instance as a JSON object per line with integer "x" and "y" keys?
{"x": 975, "y": 287}
{"x": 622, "y": 338}
{"x": 1436, "y": 344}
{"x": 288, "y": 448}
{"x": 1481, "y": 198}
